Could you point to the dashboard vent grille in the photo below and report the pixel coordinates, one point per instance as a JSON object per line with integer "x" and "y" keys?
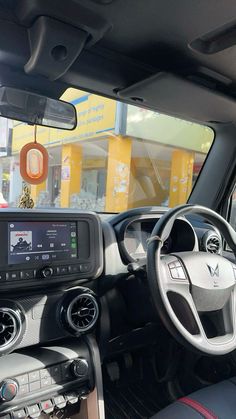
{"x": 213, "y": 244}
{"x": 10, "y": 327}
{"x": 83, "y": 312}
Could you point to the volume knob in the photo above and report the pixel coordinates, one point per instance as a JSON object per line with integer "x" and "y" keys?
{"x": 47, "y": 272}
{"x": 80, "y": 368}
{"x": 8, "y": 390}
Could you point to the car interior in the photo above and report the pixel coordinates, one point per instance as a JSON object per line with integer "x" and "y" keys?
{"x": 117, "y": 209}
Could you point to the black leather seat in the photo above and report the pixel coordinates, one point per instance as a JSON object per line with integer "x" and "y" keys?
{"x": 214, "y": 402}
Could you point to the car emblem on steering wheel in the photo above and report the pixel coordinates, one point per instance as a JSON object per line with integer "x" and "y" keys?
{"x": 214, "y": 271}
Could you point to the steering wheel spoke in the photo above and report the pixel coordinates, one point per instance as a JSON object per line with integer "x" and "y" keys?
{"x": 177, "y": 285}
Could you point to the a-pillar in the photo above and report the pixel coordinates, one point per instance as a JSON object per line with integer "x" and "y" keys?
{"x": 181, "y": 177}
{"x": 118, "y": 174}
{"x": 71, "y": 170}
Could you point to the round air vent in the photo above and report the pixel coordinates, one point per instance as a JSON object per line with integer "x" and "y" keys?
{"x": 83, "y": 312}
{"x": 10, "y": 327}
{"x": 212, "y": 243}
{"x": 80, "y": 310}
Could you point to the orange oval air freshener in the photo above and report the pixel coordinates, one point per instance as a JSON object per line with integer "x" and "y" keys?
{"x": 34, "y": 163}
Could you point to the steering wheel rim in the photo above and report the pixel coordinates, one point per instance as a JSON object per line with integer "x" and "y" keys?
{"x": 207, "y": 283}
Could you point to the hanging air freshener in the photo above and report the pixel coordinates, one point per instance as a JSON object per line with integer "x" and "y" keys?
{"x": 34, "y": 162}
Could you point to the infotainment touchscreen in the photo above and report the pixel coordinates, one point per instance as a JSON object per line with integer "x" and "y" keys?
{"x": 30, "y": 242}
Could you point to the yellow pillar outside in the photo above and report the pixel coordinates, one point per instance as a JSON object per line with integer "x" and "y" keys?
{"x": 36, "y": 189}
{"x": 181, "y": 177}
{"x": 118, "y": 174}
{"x": 71, "y": 169}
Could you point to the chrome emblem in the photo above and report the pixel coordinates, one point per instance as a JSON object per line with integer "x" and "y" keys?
{"x": 214, "y": 271}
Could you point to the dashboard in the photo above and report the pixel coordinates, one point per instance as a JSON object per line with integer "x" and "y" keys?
{"x": 133, "y": 233}
{"x": 64, "y": 280}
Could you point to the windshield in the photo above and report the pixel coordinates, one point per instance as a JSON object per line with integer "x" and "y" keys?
{"x": 119, "y": 157}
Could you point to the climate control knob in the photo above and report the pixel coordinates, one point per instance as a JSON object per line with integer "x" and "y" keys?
{"x": 47, "y": 272}
{"x": 80, "y": 368}
{"x": 8, "y": 390}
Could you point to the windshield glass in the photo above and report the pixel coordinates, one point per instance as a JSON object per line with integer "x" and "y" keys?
{"x": 119, "y": 157}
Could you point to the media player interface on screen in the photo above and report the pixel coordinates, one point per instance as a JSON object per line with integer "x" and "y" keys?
{"x": 41, "y": 241}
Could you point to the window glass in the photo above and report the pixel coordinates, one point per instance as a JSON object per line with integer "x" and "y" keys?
{"x": 119, "y": 157}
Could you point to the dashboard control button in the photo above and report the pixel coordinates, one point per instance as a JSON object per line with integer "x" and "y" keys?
{"x": 35, "y": 386}
{"x": 34, "y": 376}
{"x": 71, "y": 398}
{"x": 12, "y": 276}
{"x": 2, "y": 276}
{"x": 74, "y": 269}
{"x": 84, "y": 267}
{"x": 33, "y": 411}
{"x": 172, "y": 265}
{"x": 176, "y": 270}
{"x": 66, "y": 370}
{"x": 45, "y": 382}
{"x": 83, "y": 393}
{"x": 8, "y": 390}
{"x": 47, "y": 406}
{"x": 19, "y": 414}
{"x": 181, "y": 273}
{"x": 79, "y": 368}
{"x": 45, "y": 373}
{"x": 62, "y": 270}
{"x": 27, "y": 274}
{"x": 59, "y": 402}
{"x": 56, "y": 373}
{"x": 47, "y": 272}
{"x": 23, "y": 379}
{"x": 174, "y": 273}
{"x": 24, "y": 389}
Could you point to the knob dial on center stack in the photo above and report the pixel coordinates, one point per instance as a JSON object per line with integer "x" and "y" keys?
{"x": 8, "y": 390}
{"x": 80, "y": 368}
{"x": 47, "y": 272}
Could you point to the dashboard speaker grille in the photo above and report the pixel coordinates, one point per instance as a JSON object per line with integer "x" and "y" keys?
{"x": 83, "y": 312}
{"x": 10, "y": 327}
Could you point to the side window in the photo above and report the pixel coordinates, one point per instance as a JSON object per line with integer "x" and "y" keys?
{"x": 232, "y": 217}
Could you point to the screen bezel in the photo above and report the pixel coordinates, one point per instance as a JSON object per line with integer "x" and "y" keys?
{"x": 91, "y": 244}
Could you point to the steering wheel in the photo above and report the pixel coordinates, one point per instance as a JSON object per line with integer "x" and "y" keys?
{"x": 188, "y": 286}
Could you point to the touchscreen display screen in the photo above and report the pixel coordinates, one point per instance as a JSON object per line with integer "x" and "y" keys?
{"x": 40, "y": 241}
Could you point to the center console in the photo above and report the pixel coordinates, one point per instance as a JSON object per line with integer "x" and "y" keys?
{"x": 47, "y": 313}
{"x": 42, "y": 380}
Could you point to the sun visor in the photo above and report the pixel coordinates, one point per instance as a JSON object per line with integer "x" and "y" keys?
{"x": 168, "y": 93}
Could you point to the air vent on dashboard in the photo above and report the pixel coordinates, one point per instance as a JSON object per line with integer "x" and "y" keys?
{"x": 212, "y": 243}
{"x": 80, "y": 310}
{"x": 83, "y": 312}
{"x": 10, "y": 327}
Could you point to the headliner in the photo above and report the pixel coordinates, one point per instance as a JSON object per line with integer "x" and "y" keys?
{"x": 129, "y": 42}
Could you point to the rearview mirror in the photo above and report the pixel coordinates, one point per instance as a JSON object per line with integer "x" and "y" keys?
{"x": 36, "y": 109}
